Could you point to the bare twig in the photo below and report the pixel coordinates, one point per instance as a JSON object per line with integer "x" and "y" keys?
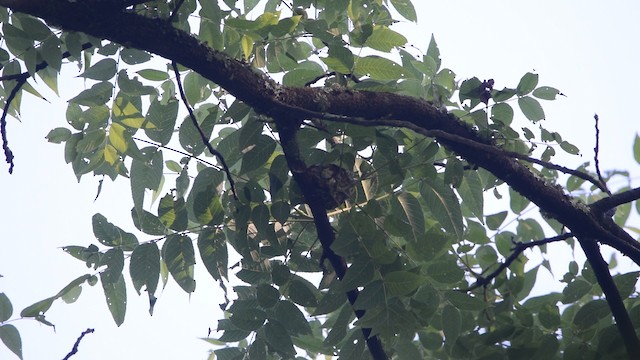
{"x": 213, "y": 151}
{"x": 517, "y": 250}
{"x": 596, "y": 151}
{"x": 75, "y": 346}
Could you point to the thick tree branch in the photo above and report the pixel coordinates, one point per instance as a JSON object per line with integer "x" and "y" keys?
{"x": 325, "y": 231}
{"x": 620, "y": 314}
{"x": 267, "y": 97}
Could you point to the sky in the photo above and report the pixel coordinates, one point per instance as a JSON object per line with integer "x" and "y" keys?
{"x": 586, "y": 49}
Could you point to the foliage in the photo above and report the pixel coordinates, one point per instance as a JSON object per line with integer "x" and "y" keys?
{"x": 348, "y": 224}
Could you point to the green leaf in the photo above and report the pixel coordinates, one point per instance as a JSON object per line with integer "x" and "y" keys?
{"x": 145, "y": 174}
{"x": 575, "y": 290}
{"x": 179, "y": 255}
{"x": 402, "y": 282}
{"x": 527, "y": 83}
{"x": 502, "y": 112}
{"x": 569, "y": 148}
{"x": 189, "y": 136}
{"x": 591, "y": 313}
{"x": 111, "y": 235}
{"x": 99, "y": 94}
{"x": 626, "y": 283}
{"x": 378, "y": 68}
{"x": 248, "y": 319}
{"x": 173, "y": 213}
{"x": 213, "y": 252}
{"x": 267, "y": 295}
{"x": 278, "y": 338}
{"x": 148, "y": 223}
{"x": 385, "y": 39}
{"x": 358, "y": 274}
{"x": 104, "y": 69}
{"x": 413, "y": 211}
{"x": 340, "y": 59}
{"x": 116, "y": 296}
{"x": 531, "y": 108}
{"x": 464, "y": 301}
{"x": 11, "y": 339}
{"x": 444, "y": 206}
{"x": 451, "y": 323}
{"x": 153, "y": 74}
{"x": 288, "y": 314}
{"x": 406, "y": 9}
{"x": 144, "y": 267}
{"x": 163, "y": 117}
{"x": 471, "y": 190}
{"x": 302, "y": 292}
{"x": 546, "y": 93}
{"x": 58, "y": 135}
{"x": 257, "y": 154}
{"x": 6, "y": 309}
{"x": 114, "y": 260}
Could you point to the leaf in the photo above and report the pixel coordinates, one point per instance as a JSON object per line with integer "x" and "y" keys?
{"x": 111, "y": 235}
{"x": 11, "y": 339}
{"x": 179, "y": 255}
{"x": 471, "y": 190}
{"x": 527, "y": 83}
{"x": 58, "y": 135}
{"x": 302, "y": 292}
{"x": 358, "y": 274}
{"x": 97, "y": 95}
{"x": 116, "y": 295}
{"x": 384, "y": 39}
{"x": 188, "y": 134}
{"x": 464, "y": 301}
{"x": 402, "y": 282}
{"x": 173, "y": 213}
{"x": 213, "y": 252}
{"x": 163, "y": 117}
{"x": 531, "y": 108}
{"x": 414, "y": 214}
{"x": 288, "y": 314}
{"x": 277, "y": 337}
{"x": 591, "y": 313}
{"x": 378, "y": 68}
{"x": 443, "y": 205}
{"x": 6, "y": 309}
{"x": 406, "y": 9}
{"x": 267, "y": 295}
{"x": 340, "y": 59}
{"x": 144, "y": 267}
{"x": 114, "y": 260}
{"x": 104, "y": 69}
{"x": 451, "y": 323}
{"x": 502, "y": 112}
{"x": 546, "y": 93}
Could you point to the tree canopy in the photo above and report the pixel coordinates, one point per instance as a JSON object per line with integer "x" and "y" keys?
{"x": 347, "y": 172}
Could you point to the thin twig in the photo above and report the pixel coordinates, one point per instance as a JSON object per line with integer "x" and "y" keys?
{"x": 596, "y": 151}
{"x": 75, "y": 346}
{"x": 8, "y": 154}
{"x": 517, "y": 250}
{"x": 213, "y": 151}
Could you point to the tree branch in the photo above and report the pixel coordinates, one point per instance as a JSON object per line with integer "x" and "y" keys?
{"x": 325, "y": 231}
{"x": 518, "y": 249}
{"x": 205, "y": 141}
{"x": 74, "y": 350}
{"x": 601, "y": 271}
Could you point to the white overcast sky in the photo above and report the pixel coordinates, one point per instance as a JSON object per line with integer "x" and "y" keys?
{"x": 587, "y": 49}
